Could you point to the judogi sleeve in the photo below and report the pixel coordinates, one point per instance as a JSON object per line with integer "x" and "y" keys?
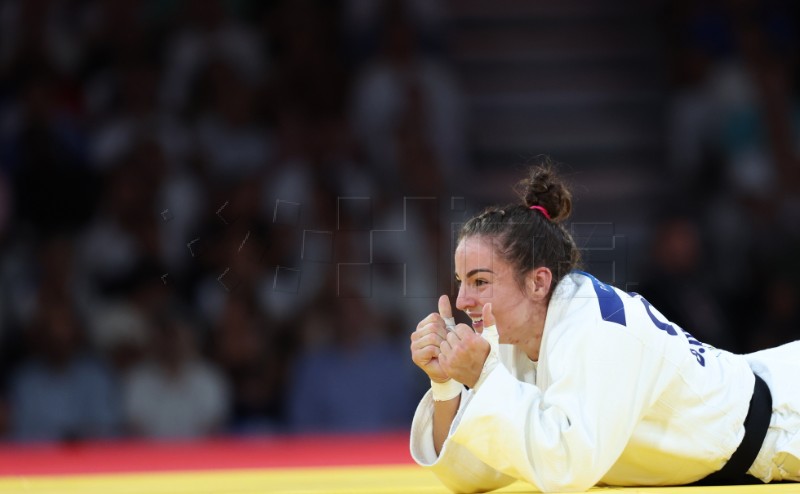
{"x": 456, "y": 467}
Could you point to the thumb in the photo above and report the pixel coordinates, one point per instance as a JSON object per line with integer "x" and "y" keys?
{"x": 445, "y": 309}
{"x": 488, "y": 317}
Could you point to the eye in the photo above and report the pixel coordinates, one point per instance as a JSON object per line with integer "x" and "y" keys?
{"x": 481, "y": 282}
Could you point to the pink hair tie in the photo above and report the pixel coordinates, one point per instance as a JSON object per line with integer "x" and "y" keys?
{"x": 543, "y": 210}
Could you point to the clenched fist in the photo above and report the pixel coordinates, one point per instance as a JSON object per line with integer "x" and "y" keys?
{"x": 427, "y": 339}
{"x": 463, "y": 352}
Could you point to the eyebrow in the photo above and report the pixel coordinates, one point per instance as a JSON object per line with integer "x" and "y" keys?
{"x": 478, "y": 270}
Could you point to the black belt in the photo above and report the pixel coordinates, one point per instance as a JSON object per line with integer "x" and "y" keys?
{"x": 755, "y": 430}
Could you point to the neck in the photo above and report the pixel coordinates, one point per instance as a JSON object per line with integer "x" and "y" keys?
{"x": 533, "y": 343}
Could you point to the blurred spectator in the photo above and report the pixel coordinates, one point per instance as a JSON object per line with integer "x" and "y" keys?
{"x": 120, "y": 236}
{"x": 134, "y": 119}
{"x": 207, "y": 31}
{"x": 780, "y": 321}
{"x": 61, "y": 393}
{"x": 355, "y": 377}
{"x": 229, "y": 134}
{"x": 403, "y": 79}
{"x": 175, "y": 393}
{"x": 119, "y": 331}
{"x": 410, "y": 265}
{"x": 33, "y": 269}
{"x": 253, "y": 354}
{"x": 181, "y": 201}
{"x": 678, "y": 284}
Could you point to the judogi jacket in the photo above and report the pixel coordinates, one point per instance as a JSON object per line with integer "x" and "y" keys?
{"x": 619, "y": 396}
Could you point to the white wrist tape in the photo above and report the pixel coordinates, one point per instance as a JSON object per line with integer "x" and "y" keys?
{"x": 447, "y": 390}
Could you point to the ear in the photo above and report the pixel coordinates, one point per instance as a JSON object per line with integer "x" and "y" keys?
{"x": 538, "y": 282}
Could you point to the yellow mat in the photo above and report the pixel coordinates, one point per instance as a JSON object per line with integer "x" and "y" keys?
{"x": 360, "y": 480}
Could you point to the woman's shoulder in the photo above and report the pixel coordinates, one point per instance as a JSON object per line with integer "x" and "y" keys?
{"x": 581, "y": 292}
{"x": 582, "y": 302}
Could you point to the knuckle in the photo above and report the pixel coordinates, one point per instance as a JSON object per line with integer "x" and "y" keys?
{"x": 425, "y": 321}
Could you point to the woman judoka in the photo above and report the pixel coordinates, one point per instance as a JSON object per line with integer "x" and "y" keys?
{"x": 566, "y": 382}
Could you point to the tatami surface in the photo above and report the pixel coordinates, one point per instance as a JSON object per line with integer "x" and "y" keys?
{"x": 405, "y": 479}
{"x": 326, "y": 465}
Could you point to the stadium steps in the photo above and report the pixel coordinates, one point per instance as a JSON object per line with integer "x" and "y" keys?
{"x": 578, "y": 80}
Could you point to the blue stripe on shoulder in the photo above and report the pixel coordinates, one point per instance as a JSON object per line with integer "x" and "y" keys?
{"x": 611, "y": 307}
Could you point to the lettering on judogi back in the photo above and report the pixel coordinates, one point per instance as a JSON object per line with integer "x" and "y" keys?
{"x": 612, "y": 309}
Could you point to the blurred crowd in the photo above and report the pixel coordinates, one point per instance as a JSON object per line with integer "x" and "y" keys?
{"x": 226, "y": 216}
{"x": 188, "y": 191}
{"x": 725, "y": 242}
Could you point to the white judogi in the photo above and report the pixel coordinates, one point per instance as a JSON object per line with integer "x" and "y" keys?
{"x": 619, "y": 396}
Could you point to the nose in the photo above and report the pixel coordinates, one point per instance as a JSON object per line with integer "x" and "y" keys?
{"x": 464, "y": 300}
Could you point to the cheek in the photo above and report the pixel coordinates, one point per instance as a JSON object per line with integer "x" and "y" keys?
{"x": 503, "y": 314}
{"x": 506, "y": 329}
{"x": 509, "y": 316}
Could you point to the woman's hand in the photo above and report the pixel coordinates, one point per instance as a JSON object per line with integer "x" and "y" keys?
{"x": 431, "y": 332}
{"x": 464, "y": 351}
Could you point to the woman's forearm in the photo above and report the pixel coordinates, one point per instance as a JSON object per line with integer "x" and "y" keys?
{"x": 443, "y": 414}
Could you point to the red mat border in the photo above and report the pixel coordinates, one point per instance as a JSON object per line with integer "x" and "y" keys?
{"x": 217, "y": 454}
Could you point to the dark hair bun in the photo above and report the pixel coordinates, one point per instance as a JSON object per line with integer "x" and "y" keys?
{"x": 543, "y": 187}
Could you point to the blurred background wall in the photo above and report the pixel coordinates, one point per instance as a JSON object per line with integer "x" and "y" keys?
{"x": 226, "y": 217}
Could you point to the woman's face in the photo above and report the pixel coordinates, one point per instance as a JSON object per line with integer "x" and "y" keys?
{"x": 483, "y": 277}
